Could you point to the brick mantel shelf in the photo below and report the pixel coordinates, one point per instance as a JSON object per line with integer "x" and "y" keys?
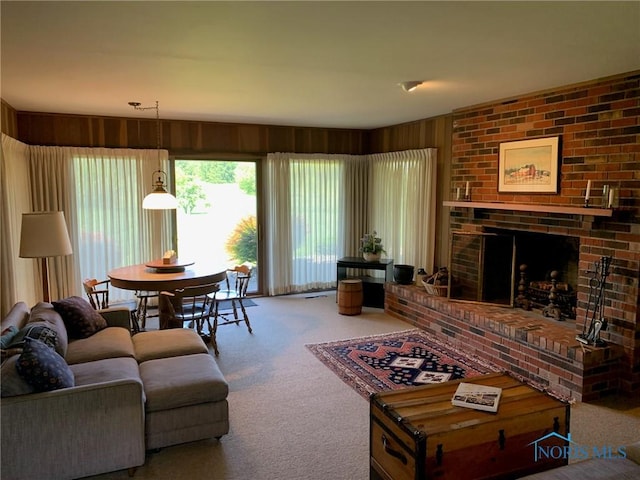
{"x": 521, "y": 207}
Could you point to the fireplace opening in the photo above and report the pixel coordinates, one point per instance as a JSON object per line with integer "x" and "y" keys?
{"x": 489, "y": 267}
{"x": 481, "y": 267}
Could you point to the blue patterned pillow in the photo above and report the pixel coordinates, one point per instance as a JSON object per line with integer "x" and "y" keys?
{"x": 80, "y": 318}
{"x": 43, "y": 368}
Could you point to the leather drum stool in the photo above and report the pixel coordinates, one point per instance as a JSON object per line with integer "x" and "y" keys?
{"x": 350, "y": 297}
{"x": 186, "y": 400}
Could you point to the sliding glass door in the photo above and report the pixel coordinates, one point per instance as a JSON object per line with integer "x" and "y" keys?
{"x": 217, "y": 212}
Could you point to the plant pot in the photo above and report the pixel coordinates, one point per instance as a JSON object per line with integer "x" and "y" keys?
{"x": 371, "y": 257}
{"x": 403, "y": 274}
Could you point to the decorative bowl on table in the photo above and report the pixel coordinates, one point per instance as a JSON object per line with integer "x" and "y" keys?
{"x": 177, "y": 266}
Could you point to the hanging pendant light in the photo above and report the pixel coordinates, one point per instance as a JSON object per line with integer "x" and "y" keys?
{"x": 159, "y": 198}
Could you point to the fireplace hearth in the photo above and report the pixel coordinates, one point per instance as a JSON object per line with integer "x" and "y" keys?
{"x": 539, "y": 350}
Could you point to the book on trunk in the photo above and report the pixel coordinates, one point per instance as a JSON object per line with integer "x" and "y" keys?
{"x": 479, "y": 397}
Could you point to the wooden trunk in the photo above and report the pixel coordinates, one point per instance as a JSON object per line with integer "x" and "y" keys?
{"x": 416, "y": 433}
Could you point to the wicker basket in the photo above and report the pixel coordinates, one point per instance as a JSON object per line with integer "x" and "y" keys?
{"x": 438, "y": 290}
{"x": 437, "y": 284}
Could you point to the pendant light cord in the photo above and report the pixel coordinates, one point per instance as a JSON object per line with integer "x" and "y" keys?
{"x": 136, "y": 106}
{"x": 158, "y": 134}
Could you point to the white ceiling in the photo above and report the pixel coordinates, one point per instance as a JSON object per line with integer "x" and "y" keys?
{"x": 326, "y": 64}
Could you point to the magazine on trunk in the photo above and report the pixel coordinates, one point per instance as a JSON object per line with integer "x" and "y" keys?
{"x": 480, "y": 397}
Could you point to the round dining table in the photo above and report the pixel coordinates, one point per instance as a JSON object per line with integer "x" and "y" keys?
{"x": 155, "y": 276}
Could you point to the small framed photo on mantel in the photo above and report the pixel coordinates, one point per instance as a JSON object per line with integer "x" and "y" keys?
{"x": 529, "y": 166}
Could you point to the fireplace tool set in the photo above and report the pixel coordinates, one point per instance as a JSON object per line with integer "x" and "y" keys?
{"x": 595, "y": 306}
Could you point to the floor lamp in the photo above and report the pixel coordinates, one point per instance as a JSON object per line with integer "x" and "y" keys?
{"x": 43, "y": 235}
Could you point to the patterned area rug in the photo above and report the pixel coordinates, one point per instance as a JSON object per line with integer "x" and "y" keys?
{"x": 397, "y": 360}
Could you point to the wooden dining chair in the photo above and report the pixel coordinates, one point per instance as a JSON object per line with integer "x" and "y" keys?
{"x": 190, "y": 305}
{"x": 98, "y": 293}
{"x": 236, "y": 284}
{"x": 142, "y": 310}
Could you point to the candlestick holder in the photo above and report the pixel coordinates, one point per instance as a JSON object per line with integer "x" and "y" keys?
{"x": 613, "y": 198}
{"x": 605, "y": 196}
{"x": 586, "y": 203}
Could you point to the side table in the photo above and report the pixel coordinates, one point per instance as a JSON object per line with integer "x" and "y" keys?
{"x": 372, "y": 287}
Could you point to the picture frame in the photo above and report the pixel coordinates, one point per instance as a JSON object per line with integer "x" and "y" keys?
{"x": 529, "y": 166}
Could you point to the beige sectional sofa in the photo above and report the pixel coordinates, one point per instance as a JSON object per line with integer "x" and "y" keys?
{"x": 103, "y": 397}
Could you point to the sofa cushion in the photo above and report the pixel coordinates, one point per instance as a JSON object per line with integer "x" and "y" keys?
{"x": 42, "y": 367}
{"x": 107, "y": 370}
{"x": 167, "y": 343}
{"x": 44, "y": 313}
{"x": 110, "y": 342}
{"x": 11, "y": 382}
{"x": 80, "y": 318}
{"x": 182, "y": 381}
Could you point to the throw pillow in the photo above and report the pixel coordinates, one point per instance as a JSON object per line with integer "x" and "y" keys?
{"x": 43, "y": 368}
{"x": 11, "y": 383}
{"x": 38, "y": 331}
{"x": 7, "y": 336}
{"x": 79, "y": 316}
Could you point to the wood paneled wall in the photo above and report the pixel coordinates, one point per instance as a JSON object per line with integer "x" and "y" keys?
{"x": 183, "y": 137}
{"x": 9, "y": 119}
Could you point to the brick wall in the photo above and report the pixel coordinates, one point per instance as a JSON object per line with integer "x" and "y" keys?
{"x": 599, "y": 127}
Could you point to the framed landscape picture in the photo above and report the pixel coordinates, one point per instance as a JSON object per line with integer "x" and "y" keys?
{"x": 529, "y": 166}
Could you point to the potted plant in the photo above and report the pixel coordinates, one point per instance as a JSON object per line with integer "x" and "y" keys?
{"x": 371, "y": 247}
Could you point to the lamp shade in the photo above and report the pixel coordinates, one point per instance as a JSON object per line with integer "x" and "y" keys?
{"x": 44, "y": 234}
{"x": 159, "y": 200}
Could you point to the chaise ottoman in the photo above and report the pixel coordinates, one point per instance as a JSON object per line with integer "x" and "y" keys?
{"x": 186, "y": 394}
{"x": 186, "y": 400}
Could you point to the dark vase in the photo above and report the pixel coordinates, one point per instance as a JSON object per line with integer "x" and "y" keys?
{"x": 403, "y": 274}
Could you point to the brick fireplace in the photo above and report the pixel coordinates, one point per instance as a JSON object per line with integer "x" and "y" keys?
{"x": 599, "y": 127}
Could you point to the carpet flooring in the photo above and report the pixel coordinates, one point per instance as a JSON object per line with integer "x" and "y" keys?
{"x": 292, "y": 418}
{"x": 226, "y": 304}
{"x": 397, "y": 360}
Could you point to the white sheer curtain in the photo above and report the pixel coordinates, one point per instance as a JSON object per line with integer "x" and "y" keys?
{"x": 319, "y": 206}
{"x": 111, "y": 228}
{"x": 18, "y": 276}
{"x": 402, "y": 206}
{"x": 100, "y": 192}
{"x": 306, "y": 203}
